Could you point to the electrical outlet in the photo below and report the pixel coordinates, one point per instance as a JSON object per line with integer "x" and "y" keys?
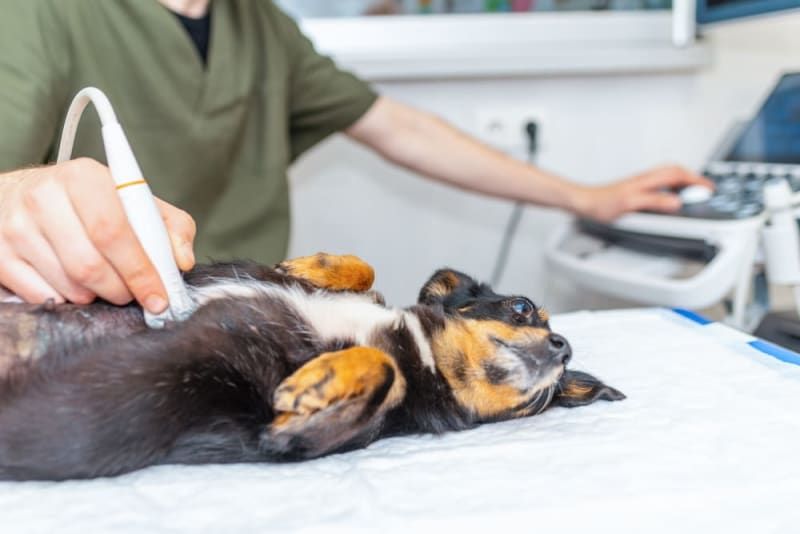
{"x": 505, "y": 128}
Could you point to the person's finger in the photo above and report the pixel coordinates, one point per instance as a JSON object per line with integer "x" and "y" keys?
{"x": 662, "y": 202}
{"x": 76, "y": 255}
{"x": 672, "y": 177}
{"x": 37, "y": 252}
{"x": 24, "y": 240}
{"x": 23, "y": 280}
{"x": 181, "y": 229}
{"x": 100, "y": 211}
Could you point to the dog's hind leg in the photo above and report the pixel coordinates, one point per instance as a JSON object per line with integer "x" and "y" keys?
{"x": 339, "y": 273}
{"x": 335, "y": 401}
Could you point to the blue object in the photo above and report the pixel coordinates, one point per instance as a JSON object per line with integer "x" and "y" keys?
{"x": 765, "y": 347}
{"x": 720, "y": 10}
{"x": 776, "y": 351}
{"x": 692, "y": 316}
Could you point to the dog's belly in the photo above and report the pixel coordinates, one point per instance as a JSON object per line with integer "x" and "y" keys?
{"x": 18, "y": 337}
{"x": 28, "y": 332}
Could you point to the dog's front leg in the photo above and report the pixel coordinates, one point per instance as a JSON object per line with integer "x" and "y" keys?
{"x": 335, "y": 401}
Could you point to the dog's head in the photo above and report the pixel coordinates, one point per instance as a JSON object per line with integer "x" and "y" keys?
{"x": 499, "y": 355}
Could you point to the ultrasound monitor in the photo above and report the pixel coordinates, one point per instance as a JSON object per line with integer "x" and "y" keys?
{"x": 773, "y": 136}
{"x": 764, "y": 148}
{"x": 721, "y": 10}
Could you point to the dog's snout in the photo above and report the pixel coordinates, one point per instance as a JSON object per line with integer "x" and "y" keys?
{"x": 559, "y": 348}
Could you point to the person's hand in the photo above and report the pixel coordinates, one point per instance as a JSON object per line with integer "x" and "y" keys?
{"x": 653, "y": 190}
{"x": 64, "y": 236}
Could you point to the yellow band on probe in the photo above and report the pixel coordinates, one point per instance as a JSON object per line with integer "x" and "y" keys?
{"x": 128, "y": 184}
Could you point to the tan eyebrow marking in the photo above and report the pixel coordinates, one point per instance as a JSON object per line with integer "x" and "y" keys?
{"x": 544, "y": 316}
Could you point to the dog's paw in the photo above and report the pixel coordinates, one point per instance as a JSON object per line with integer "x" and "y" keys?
{"x": 339, "y": 273}
{"x": 333, "y": 377}
{"x": 334, "y": 400}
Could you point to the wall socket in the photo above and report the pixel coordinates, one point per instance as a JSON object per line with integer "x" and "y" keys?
{"x": 504, "y": 128}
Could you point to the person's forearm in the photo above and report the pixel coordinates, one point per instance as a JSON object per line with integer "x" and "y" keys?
{"x": 418, "y": 141}
{"x": 425, "y": 144}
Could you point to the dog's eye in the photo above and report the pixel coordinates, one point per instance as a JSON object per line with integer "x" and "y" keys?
{"x": 522, "y": 306}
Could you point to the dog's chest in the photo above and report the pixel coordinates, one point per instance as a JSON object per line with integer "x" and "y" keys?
{"x": 329, "y": 315}
{"x": 350, "y": 317}
{"x": 343, "y": 316}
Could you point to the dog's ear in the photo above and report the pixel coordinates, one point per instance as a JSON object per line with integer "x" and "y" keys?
{"x": 579, "y": 389}
{"x": 444, "y": 285}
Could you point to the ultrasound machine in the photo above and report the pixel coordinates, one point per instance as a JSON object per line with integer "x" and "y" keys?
{"x": 724, "y": 245}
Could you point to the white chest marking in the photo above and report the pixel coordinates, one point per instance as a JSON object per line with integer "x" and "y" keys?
{"x": 331, "y": 315}
{"x": 425, "y": 352}
{"x": 345, "y": 316}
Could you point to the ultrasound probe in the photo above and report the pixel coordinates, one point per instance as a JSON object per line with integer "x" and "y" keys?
{"x": 137, "y": 200}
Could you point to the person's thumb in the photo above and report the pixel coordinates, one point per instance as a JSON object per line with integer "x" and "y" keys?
{"x": 181, "y": 229}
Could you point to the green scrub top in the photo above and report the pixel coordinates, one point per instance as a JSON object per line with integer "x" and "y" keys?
{"x": 215, "y": 140}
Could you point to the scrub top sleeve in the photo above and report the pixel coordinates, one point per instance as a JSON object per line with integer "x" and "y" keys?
{"x": 33, "y": 67}
{"x": 323, "y": 99}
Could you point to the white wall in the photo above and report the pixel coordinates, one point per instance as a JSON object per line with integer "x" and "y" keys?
{"x": 597, "y": 128}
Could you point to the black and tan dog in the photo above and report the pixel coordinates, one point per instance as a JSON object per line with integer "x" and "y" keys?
{"x": 276, "y": 364}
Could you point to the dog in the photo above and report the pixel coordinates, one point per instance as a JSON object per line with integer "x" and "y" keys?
{"x": 276, "y": 364}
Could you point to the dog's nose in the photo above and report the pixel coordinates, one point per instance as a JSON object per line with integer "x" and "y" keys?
{"x": 559, "y": 348}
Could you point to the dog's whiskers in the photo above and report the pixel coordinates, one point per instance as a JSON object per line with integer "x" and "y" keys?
{"x": 540, "y": 401}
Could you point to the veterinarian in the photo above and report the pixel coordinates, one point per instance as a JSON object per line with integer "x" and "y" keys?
{"x": 218, "y": 98}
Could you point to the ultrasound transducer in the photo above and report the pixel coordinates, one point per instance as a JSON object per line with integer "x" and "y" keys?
{"x": 137, "y": 200}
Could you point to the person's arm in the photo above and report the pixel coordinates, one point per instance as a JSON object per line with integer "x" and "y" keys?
{"x": 429, "y": 146}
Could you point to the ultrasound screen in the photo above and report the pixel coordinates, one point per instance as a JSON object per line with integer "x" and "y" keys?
{"x": 709, "y": 11}
{"x": 774, "y": 134}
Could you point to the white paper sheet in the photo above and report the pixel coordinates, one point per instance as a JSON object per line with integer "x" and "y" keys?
{"x": 707, "y": 441}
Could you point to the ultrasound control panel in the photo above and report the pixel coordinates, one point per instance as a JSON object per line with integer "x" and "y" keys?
{"x": 739, "y": 190}
{"x": 763, "y": 149}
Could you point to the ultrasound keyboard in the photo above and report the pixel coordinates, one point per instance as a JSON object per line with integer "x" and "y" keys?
{"x": 762, "y": 149}
{"x": 739, "y": 189}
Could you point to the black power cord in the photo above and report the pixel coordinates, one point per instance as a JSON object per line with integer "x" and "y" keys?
{"x": 532, "y": 133}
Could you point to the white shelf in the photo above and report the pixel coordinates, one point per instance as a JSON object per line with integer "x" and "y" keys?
{"x": 468, "y": 46}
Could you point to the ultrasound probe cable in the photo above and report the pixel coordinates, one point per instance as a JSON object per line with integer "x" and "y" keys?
{"x": 137, "y": 200}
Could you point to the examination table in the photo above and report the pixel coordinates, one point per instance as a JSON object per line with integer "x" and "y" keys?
{"x": 707, "y": 441}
